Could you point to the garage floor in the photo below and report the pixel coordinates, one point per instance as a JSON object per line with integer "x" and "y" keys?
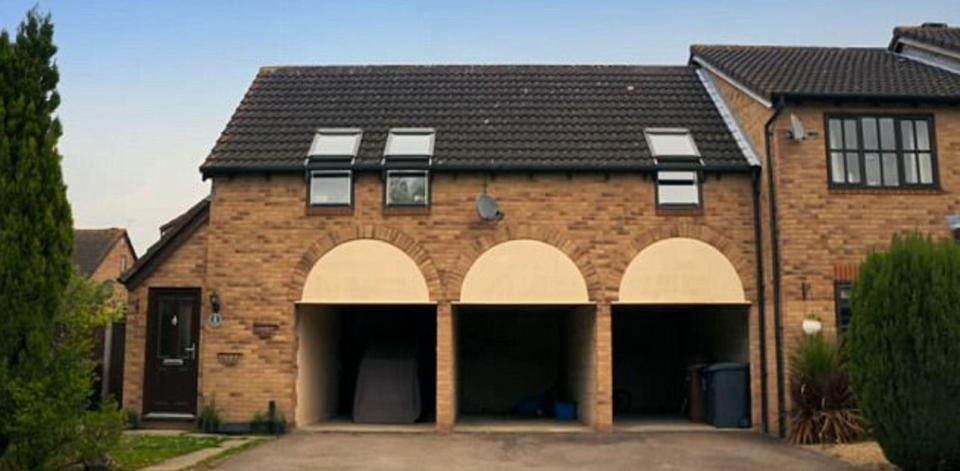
{"x": 564, "y": 451}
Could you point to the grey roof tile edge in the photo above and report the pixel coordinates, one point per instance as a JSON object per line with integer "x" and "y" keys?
{"x": 733, "y": 124}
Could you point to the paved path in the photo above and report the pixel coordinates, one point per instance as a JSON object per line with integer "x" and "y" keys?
{"x": 562, "y": 451}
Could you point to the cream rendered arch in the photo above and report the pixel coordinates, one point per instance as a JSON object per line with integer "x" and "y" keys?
{"x": 365, "y": 271}
{"x": 680, "y": 270}
{"x": 523, "y": 272}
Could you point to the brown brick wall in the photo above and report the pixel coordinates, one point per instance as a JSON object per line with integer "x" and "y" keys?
{"x": 185, "y": 268}
{"x": 109, "y": 268}
{"x": 262, "y": 242}
{"x": 825, "y": 233}
{"x": 821, "y": 228}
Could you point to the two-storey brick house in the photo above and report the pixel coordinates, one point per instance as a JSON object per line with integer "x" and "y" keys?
{"x": 498, "y": 237}
{"x": 878, "y": 156}
{"x": 102, "y": 255}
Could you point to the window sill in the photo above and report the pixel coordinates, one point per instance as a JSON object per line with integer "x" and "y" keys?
{"x": 406, "y": 210}
{"x": 329, "y": 210}
{"x": 885, "y": 191}
{"x": 680, "y": 211}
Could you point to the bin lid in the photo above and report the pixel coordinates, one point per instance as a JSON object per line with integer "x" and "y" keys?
{"x": 726, "y": 367}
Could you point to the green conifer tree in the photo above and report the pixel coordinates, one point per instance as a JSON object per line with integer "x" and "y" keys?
{"x": 36, "y": 226}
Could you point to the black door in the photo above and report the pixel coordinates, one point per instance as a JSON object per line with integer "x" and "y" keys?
{"x": 173, "y": 337}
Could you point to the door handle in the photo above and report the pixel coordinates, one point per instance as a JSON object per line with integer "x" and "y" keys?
{"x": 192, "y": 350}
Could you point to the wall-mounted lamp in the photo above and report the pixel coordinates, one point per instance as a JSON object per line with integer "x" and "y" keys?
{"x": 804, "y": 290}
{"x": 216, "y": 319}
{"x": 215, "y": 301}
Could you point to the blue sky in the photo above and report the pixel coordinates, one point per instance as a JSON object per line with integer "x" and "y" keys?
{"x": 148, "y": 85}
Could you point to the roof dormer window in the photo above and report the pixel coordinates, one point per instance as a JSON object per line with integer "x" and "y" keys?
{"x": 335, "y": 143}
{"x": 410, "y": 143}
{"x": 671, "y": 144}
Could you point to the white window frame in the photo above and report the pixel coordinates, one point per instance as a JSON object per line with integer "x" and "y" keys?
{"x": 679, "y": 178}
{"x": 651, "y": 134}
{"x": 396, "y": 134}
{"x": 330, "y": 174}
{"x": 316, "y": 147}
{"x": 401, "y": 172}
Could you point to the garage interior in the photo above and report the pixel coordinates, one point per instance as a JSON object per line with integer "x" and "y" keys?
{"x": 334, "y": 341}
{"x": 654, "y": 348}
{"x": 522, "y": 365}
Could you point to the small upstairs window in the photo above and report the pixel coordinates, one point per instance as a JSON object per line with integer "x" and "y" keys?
{"x": 408, "y": 188}
{"x": 335, "y": 143}
{"x": 671, "y": 144}
{"x": 123, "y": 263}
{"x": 407, "y": 158}
{"x": 331, "y": 188}
{"x": 678, "y": 189}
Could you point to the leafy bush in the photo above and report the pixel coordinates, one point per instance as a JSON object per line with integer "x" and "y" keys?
{"x": 52, "y": 426}
{"x": 904, "y": 351}
{"x": 824, "y": 408}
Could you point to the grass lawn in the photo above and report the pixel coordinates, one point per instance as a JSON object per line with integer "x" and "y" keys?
{"x": 137, "y": 451}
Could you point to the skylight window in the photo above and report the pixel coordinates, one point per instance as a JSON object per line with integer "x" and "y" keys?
{"x": 410, "y": 143}
{"x": 668, "y": 143}
{"x": 336, "y": 142}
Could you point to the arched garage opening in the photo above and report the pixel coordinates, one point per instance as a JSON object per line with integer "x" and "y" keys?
{"x": 367, "y": 339}
{"x": 681, "y": 320}
{"x": 525, "y": 341}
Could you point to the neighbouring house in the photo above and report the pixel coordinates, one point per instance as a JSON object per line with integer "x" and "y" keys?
{"x": 531, "y": 233}
{"x": 102, "y": 255}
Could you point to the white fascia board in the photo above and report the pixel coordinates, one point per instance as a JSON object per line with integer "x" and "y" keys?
{"x": 916, "y": 52}
{"x": 739, "y": 86}
{"x": 733, "y": 124}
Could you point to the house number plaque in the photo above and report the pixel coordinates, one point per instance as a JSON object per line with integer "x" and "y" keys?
{"x": 216, "y": 320}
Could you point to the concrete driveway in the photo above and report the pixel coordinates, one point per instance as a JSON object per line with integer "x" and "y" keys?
{"x": 560, "y": 451}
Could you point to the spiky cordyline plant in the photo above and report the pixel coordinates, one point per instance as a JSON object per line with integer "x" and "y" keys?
{"x": 824, "y": 407}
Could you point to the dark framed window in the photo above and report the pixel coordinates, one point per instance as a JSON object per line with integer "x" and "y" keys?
{"x": 678, "y": 189}
{"x": 407, "y": 188}
{"x": 842, "y": 291}
{"x": 881, "y": 151}
{"x": 331, "y": 188}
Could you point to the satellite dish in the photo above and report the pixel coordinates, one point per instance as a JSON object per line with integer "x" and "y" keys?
{"x": 487, "y": 208}
{"x": 797, "y": 131}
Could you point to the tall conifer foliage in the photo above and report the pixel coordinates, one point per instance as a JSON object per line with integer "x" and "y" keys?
{"x": 36, "y": 227}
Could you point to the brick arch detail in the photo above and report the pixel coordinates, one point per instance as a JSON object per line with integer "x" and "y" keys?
{"x": 387, "y": 234}
{"x": 473, "y": 249}
{"x": 700, "y": 232}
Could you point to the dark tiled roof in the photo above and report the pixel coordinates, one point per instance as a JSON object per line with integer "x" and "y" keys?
{"x": 939, "y": 36}
{"x": 829, "y": 72}
{"x": 174, "y": 233}
{"x": 90, "y": 246}
{"x": 486, "y": 117}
